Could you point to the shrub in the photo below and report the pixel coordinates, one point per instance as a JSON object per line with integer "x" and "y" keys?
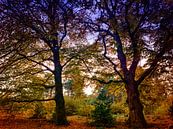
{"x": 102, "y": 115}
{"x": 71, "y": 105}
{"x": 165, "y": 107}
{"x": 49, "y": 107}
{"x": 39, "y": 111}
{"x": 85, "y": 109}
{"x": 119, "y": 108}
{"x": 78, "y": 106}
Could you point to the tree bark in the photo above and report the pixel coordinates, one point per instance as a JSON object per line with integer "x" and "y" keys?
{"x": 136, "y": 116}
{"x": 60, "y": 117}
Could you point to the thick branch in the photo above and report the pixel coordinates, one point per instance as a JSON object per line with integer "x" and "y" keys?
{"x": 43, "y": 85}
{"x": 107, "y": 82}
{"x": 65, "y": 18}
{"x": 121, "y": 55}
{"x": 110, "y": 60}
{"x": 29, "y": 101}
{"x": 136, "y": 52}
{"x": 158, "y": 57}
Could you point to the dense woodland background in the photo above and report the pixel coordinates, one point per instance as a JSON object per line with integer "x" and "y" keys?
{"x": 53, "y": 51}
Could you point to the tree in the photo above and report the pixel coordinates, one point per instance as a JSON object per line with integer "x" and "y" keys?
{"x": 23, "y": 80}
{"x": 138, "y": 29}
{"x": 43, "y": 22}
{"x": 102, "y": 114}
{"x": 78, "y": 72}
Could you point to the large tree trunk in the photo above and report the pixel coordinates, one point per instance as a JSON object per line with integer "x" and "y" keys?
{"x": 136, "y": 116}
{"x": 59, "y": 98}
{"x": 60, "y": 104}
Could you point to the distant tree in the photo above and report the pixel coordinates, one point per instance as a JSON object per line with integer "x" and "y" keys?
{"x": 75, "y": 83}
{"x": 79, "y": 72}
{"x": 136, "y": 30}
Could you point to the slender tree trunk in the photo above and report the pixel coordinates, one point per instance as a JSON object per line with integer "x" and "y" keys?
{"x": 136, "y": 116}
{"x": 59, "y": 98}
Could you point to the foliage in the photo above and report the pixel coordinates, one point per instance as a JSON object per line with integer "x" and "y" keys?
{"x": 42, "y": 35}
{"x": 152, "y": 95}
{"x": 39, "y": 111}
{"x": 71, "y": 105}
{"x": 164, "y": 106}
{"x": 119, "y": 108}
{"x": 102, "y": 115}
{"x": 85, "y": 109}
{"x": 118, "y": 93}
{"x": 49, "y": 108}
{"x": 152, "y": 91}
{"x": 78, "y": 106}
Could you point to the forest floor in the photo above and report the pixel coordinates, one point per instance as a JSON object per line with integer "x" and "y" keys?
{"x": 77, "y": 122}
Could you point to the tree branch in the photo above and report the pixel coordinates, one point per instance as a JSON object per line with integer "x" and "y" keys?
{"x": 43, "y": 85}
{"x": 29, "y": 101}
{"x": 158, "y": 57}
{"x": 136, "y": 51}
{"x": 68, "y": 61}
{"x": 107, "y": 82}
{"x": 121, "y": 55}
{"x": 39, "y": 63}
{"x": 65, "y": 18}
{"x": 105, "y": 55}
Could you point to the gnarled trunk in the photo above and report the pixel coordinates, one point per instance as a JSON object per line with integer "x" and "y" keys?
{"x": 136, "y": 116}
{"x": 60, "y": 117}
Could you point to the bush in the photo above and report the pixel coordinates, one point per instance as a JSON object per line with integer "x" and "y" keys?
{"x": 165, "y": 107}
{"x": 85, "y": 109}
{"x": 78, "y": 106}
{"x": 119, "y": 108}
{"x": 71, "y": 105}
{"x": 39, "y": 111}
{"x": 102, "y": 115}
{"x": 50, "y": 109}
